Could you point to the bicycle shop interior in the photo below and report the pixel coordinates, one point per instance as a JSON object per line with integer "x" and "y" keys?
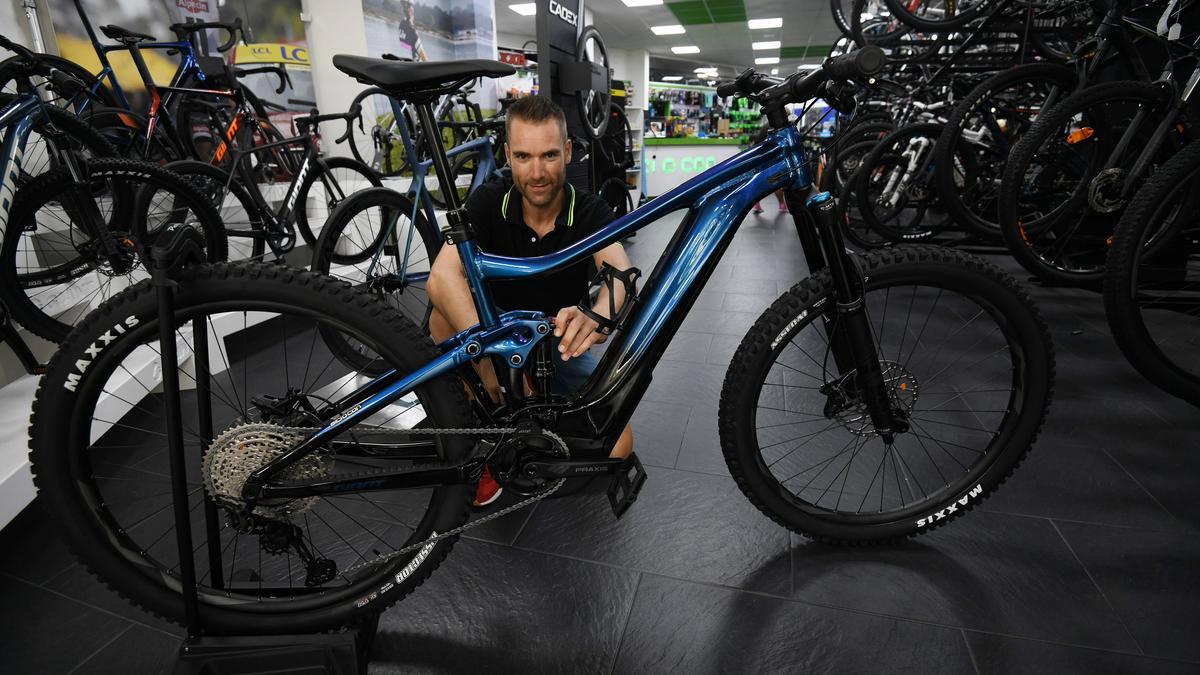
{"x": 984, "y": 211}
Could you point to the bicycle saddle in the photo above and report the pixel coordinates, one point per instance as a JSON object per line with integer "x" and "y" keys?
{"x": 124, "y": 35}
{"x": 401, "y": 77}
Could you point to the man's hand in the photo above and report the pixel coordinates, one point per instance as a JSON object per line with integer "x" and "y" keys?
{"x": 577, "y": 332}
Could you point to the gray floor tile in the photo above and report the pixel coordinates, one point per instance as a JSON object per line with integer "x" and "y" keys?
{"x": 680, "y": 627}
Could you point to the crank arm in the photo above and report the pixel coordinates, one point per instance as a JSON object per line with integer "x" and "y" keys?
{"x": 568, "y": 468}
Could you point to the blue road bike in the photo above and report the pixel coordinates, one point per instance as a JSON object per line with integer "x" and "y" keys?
{"x": 385, "y": 241}
{"x": 879, "y": 397}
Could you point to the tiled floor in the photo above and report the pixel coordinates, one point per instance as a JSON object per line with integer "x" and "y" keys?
{"x": 1086, "y": 561}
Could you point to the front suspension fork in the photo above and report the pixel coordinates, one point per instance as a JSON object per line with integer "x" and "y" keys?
{"x": 847, "y": 325}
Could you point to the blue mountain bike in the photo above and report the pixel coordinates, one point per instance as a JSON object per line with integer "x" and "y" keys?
{"x": 880, "y": 397}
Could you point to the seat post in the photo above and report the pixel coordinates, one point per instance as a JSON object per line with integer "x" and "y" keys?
{"x": 438, "y": 154}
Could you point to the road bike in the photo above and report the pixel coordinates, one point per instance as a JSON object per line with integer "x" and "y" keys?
{"x": 880, "y": 397}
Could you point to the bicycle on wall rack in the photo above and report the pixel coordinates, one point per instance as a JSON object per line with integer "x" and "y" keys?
{"x": 315, "y": 183}
{"x": 880, "y": 397}
{"x": 385, "y": 241}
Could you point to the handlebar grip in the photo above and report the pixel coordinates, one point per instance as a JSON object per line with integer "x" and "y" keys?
{"x": 863, "y": 62}
{"x": 65, "y": 83}
{"x": 727, "y": 89}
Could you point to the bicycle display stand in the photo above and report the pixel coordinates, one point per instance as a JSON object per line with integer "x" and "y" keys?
{"x": 203, "y": 653}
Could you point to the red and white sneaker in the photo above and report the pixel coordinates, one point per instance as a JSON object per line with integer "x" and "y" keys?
{"x": 488, "y": 489}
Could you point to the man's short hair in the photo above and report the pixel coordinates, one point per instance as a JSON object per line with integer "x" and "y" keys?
{"x": 536, "y": 109}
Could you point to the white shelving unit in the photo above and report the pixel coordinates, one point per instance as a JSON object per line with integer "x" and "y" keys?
{"x": 637, "y": 126}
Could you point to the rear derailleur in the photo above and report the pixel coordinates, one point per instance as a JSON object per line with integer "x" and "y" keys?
{"x": 278, "y": 537}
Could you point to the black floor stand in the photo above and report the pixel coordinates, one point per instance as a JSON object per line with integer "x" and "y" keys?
{"x": 203, "y": 652}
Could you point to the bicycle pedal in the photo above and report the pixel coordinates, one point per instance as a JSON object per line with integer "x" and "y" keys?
{"x": 625, "y": 485}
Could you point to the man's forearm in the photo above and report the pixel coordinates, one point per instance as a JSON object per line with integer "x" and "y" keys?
{"x": 452, "y": 296}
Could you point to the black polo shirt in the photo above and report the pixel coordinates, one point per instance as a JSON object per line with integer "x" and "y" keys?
{"x": 496, "y": 212}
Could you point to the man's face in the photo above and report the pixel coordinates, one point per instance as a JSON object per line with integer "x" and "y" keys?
{"x": 538, "y": 155}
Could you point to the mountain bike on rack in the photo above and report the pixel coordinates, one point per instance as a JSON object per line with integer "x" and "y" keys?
{"x": 316, "y": 185}
{"x": 880, "y": 397}
{"x": 78, "y": 233}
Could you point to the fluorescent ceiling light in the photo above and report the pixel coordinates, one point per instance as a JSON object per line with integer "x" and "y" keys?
{"x": 766, "y": 60}
{"x": 705, "y": 71}
{"x": 667, "y": 30}
{"x": 772, "y": 44}
{"x": 525, "y": 8}
{"x": 641, "y": 3}
{"x": 689, "y": 49}
{"x": 774, "y": 71}
{"x": 756, "y": 24}
{"x": 672, "y": 78}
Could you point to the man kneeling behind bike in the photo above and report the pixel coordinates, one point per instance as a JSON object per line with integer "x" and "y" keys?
{"x": 535, "y": 213}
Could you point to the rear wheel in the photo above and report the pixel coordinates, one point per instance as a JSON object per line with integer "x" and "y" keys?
{"x": 309, "y": 564}
{"x": 968, "y": 365}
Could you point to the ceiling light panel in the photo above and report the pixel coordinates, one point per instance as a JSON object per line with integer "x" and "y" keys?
{"x": 760, "y": 24}
{"x": 687, "y": 49}
{"x": 525, "y": 8}
{"x": 675, "y": 29}
{"x": 641, "y": 3}
{"x": 771, "y": 44}
{"x": 766, "y": 60}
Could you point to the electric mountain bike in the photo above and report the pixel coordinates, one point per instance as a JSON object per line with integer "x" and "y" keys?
{"x": 881, "y": 397}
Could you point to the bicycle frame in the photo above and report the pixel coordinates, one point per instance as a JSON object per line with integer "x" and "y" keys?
{"x": 482, "y": 146}
{"x": 716, "y": 202}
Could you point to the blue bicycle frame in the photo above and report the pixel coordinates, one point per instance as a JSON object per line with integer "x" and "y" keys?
{"x": 717, "y": 202}
{"x": 417, "y": 191}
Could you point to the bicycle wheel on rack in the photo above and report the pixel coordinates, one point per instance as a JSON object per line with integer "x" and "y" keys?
{"x": 328, "y": 183}
{"x": 309, "y": 564}
{"x": 243, "y": 221}
{"x": 377, "y": 142}
{"x": 936, "y": 15}
{"x": 616, "y": 193}
{"x": 378, "y": 242}
{"x": 968, "y": 364}
{"x": 1152, "y": 278}
{"x": 987, "y": 123}
{"x": 895, "y": 192}
{"x": 1058, "y": 204}
{"x": 53, "y": 269}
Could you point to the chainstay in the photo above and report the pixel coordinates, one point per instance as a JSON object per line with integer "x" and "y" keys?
{"x": 528, "y": 501}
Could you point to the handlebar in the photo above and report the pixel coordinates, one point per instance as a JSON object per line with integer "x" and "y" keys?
{"x": 771, "y": 91}
{"x": 285, "y": 80}
{"x": 234, "y": 28}
{"x": 60, "y": 81}
{"x": 313, "y": 119}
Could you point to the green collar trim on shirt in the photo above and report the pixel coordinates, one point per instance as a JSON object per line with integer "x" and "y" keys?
{"x": 570, "y": 210}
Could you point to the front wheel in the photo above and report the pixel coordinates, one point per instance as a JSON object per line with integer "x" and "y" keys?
{"x": 968, "y": 365}
{"x": 328, "y": 183}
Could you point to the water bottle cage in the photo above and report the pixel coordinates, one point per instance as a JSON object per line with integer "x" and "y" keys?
{"x": 607, "y": 277}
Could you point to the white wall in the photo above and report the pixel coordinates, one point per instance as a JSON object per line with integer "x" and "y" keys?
{"x": 334, "y": 27}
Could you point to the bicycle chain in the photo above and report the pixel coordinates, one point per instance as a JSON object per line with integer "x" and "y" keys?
{"x": 230, "y": 436}
{"x": 475, "y": 523}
